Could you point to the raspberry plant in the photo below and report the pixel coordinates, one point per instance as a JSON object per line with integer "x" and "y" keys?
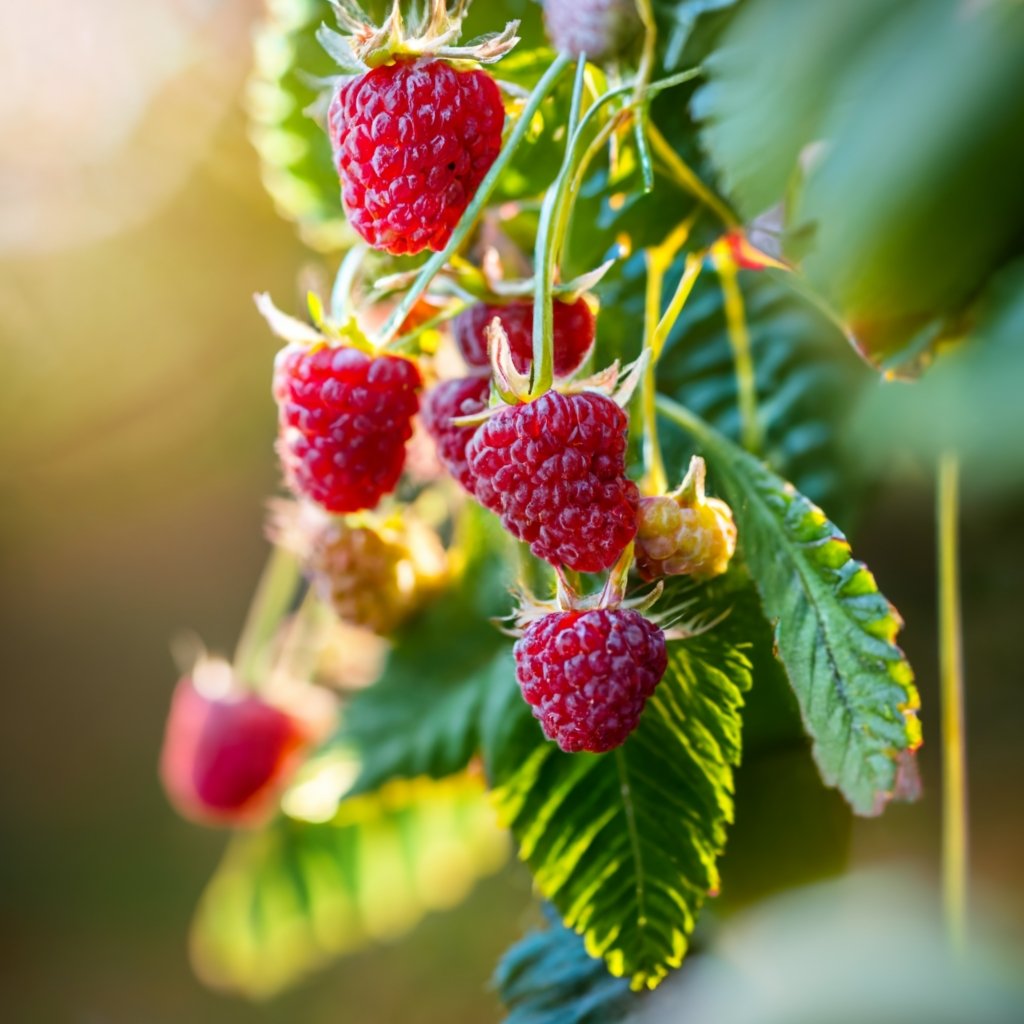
{"x": 588, "y": 264}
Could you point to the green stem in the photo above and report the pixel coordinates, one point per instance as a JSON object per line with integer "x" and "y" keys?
{"x": 951, "y": 673}
{"x": 640, "y": 102}
{"x": 550, "y": 233}
{"x": 270, "y": 605}
{"x": 739, "y": 339}
{"x": 655, "y": 477}
{"x": 483, "y": 194}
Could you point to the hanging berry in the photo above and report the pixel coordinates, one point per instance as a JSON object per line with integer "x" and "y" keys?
{"x": 602, "y": 29}
{"x": 685, "y": 533}
{"x": 554, "y": 470}
{"x": 412, "y": 135}
{"x": 574, "y": 329}
{"x": 227, "y": 753}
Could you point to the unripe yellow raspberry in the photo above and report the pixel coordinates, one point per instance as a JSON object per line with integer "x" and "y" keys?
{"x": 373, "y": 574}
{"x": 685, "y": 533}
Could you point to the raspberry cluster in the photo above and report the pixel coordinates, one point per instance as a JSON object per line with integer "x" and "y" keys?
{"x": 587, "y": 675}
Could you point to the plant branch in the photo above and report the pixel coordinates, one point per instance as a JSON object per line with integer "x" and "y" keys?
{"x": 271, "y": 603}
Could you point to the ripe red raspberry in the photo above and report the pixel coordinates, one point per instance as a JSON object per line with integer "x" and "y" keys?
{"x": 573, "y": 333}
{"x": 599, "y": 28}
{"x": 412, "y": 141}
{"x": 345, "y": 417}
{"x": 226, "y": 757}
{"x": 443, "y": 403}
{"x": 587, "y": 675}
{"x": 554, "y": 470}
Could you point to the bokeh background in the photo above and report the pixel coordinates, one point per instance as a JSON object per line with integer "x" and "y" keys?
{"x": 135, "y": 456}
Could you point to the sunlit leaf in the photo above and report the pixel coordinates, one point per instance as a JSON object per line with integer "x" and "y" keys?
{"x": 292, "y": 897}
{"x": 834, "y": 632}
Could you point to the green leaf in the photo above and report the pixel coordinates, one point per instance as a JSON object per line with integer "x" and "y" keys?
{"x": 295, "y": 153}
{"x": 625, "y": 844}
{"x": 422, "y": 716}
{"x": 290, "y": 898}
{"x": 892, "y": 137}
{"x": 943, "y": 410}
{"x": 548, "y": 978}
{"x": 834, "y": 632}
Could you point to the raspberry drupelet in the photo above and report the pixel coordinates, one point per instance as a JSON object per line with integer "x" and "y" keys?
{"x": 587, "y": 675}
{"x": 345, "y": 417}
{"x": 412, "y": 141}
{"x": 554, "y": 471}
{"x": 445, "y": 402}
{"x": 574, "y": 330}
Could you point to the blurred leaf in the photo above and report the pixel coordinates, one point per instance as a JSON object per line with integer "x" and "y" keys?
{"x": 912, "y": 200}
{"x": 298, "y": 894}
{"x": 834, "y": 631}
{"x": 422, "y": 716}
{"x": 968, "y": 402}
{"x": 548, "y": 978}
{"x": 625, "y": 844}
{"x": 295, "y": 154}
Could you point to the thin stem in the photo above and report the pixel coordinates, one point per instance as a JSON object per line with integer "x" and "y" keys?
{"x": 691, "y": 271}
{"x": 640, "y": 102}
{"x": 951, "y": 672}
{"x": 739, "y": 339}
{"x": 270, "y": 605}
{"x": 550, "y": 232}
{"x": 655, "y": 477}
{"x": 483, "y": 194}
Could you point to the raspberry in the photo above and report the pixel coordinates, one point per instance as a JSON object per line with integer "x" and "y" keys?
{"x": 226, "y": 757}
{"x": 685, "y": 533}
{"x": 599, "y": 28}
{"x": 452, "y": 398}
{"x": 573, "y": 334}
{"x": 554, "y": 470}
{"x": 587, "y": 675}
{"x": 345, "y": 417}
{"x": 412, "y": 141}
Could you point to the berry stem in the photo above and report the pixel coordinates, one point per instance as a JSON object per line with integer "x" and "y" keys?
{"x": 483, "y": 194}
{"x": 951, "y": 676}
{"x": 656, "y": 330}
{"x": 550, "y": 235}
{"x": 641, "y": 118}
{"x": 739, "y": 340}
{"x": 271, "y": 603}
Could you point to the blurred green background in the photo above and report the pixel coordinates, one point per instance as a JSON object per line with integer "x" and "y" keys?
{"x": 135, "y": 456}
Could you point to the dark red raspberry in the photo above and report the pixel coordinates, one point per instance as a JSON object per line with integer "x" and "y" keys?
{"x": 554, "y": 470}
{"x": 345, "y": 417}
{"x": 412, "y": 141}
{"x": 226, "y": 757}
{"x": 573, "y": 334}
{"x": 587, "y": 675}
{"x": 443, "y": 403}
{"x": 599, "y": 28}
